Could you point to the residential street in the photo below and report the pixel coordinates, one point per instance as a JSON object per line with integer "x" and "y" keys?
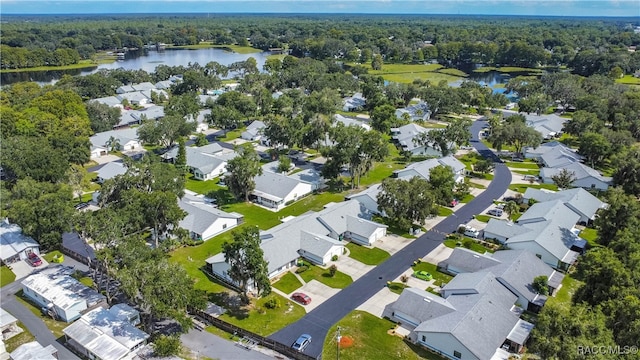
{"x": 317, "y": 322}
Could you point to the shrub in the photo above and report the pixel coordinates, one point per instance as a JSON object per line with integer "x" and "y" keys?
{"x": 404, "y": 279}
{"x": 167, "y": 346}
{"x": 334, "y": 258}
{"x": 302, "y": 269}
{"x": 289, "y": 202}
{"x": 332, "y": 270}
{"x": 272, "y": 304}
{"x": 467, "y": 243}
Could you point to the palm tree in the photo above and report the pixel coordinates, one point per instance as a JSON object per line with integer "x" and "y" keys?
{"x": 113, "y": 144}
{"x": 512, "y": 209}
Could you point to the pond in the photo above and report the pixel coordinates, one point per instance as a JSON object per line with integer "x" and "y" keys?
{"x": 494, "y": 79}
{"x": 141, "y": 59}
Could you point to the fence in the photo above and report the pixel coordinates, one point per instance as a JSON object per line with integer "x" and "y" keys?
{"x": 254, "y": 338}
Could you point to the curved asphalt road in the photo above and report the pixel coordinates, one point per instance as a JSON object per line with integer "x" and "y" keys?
{"x": 317, "y": 322}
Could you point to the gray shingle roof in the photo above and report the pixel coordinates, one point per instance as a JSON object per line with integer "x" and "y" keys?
{"x": 577, "y": 199}
{"x": 109, "y": 101}
{"x": 520, "y": 333}
{"x": 145, "y": 86}
{"x": 200, "y": 216}
{"x": 559, "y": 157}
{"x": 546, "y": 147}
{"x": 404, "y": 135}
{"x": 423, "y": 168}
{"x": 546, "y": 124}
{"x": 505, "y": 228}
{"x": 469, "y": 261}
{"x": 274, "y": 185}
{"x": 122, "y": 135}
{"x": 317, "y": 244}
{"x": 422, "y": 305}
{"x": 111, "y": 170}
{"x": 579, "y": 170}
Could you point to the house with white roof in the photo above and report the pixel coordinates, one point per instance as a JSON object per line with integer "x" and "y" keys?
{"x": 110, "y": 101}
{"x": 275, "y": 191}
{"x": 546, "y": 230}
{"x": 422, "y": 169}
{"x": 316, "y": 236}
{"x": 34, "y": 350}
{"x": 204, "y": 162}
{"x": 134, "y": 98}
{"x": 103, "y": 334}
{"x": 164, "y": 84}
{"x": 14, "y": 245}
{"x": 368, "y": 198}
{"x": 203, "y": 99}
{"x": 63, "y": 296}
{"x": 405, "y": 137}
{"x": 578, "y": 200}
{"x": 348, "y": 121}
{"x": 415, "y": 112}
{"x": 201, "y": 120}
{"x": 125, "y": 89}
{"x": 8, "y": 325}
{"x": 203, "y": 221}
{"x": 121, "y": 140}
{"x": 109, "y": 171}
{"x": 585, "y": 176}
{"x": 474, "y": 319}
{"x": 145, "y": 86}
{"x": 549, "y": 126}
{"x": 254, "y": 131}
{"x": 515, "y": 269}
{"x": 353, "y": 103}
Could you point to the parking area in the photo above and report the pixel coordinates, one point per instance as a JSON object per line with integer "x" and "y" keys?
{"x": 440, "y": 253}
{"x": 376, "y": 304}
{"x": 393, "y": 243}
{"x": 23, "y": 269}
{"x": 351, "y": 267}
{"x": 318, "y": 292}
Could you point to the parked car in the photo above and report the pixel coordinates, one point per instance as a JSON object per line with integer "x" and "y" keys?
{"x": 81, "y": 206}
{"x": 423, "y": 275}
{"x": 301, "y": 298}
{"x": 453, "y": 203}
{"x": 303, "y": 341}
{"x": 469, "y": 231}
{"x": 495, "y": 212}
{"x": 34, "y": 259}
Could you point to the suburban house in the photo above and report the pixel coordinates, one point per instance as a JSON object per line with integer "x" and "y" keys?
{"x": 585, "y": 177}
{"x": 134, "y": 98}
{"x": 201, "y": 120}
{"x": 33, "y": 350}
{"x": 474, "y": 319}
{"x": 415, "y": 112}
{"x": 578, "y": 200}
{"x": 556, "y": 149}
{"x": 8, "y": 325}
{"x": 120, "y": 140}
{"x": 368, "y": 198}
{"x": 515, "y": 269}
{"x": 203, "y": 221}
{"x": 110, "y": 101}
{"x": 60, "y": 294}
{"x": 546, "y": 229}
{"x": 254, "y": 131}
{"x": 205, "y": 162}
{"x": 275, "y": 191}
{"x": 348, "y": 121}
{"x": 549, "y": 126}
{"x": 353, "y": 103}
{"x": 405, "y": 138}
{"x": 103, "y": 334}
{"x": 315, "y": 236}
{"x": 423, "y": 168}
{"x": 14, "y": 245}
{"x": 110, "y": 170}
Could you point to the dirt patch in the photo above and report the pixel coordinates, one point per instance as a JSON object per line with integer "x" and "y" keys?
{"x": 346, "y": 342}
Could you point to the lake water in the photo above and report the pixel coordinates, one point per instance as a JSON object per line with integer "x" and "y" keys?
{"x": 142, "y": 59}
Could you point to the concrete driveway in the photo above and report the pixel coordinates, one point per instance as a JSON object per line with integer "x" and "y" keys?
{"x": 106, "y": 159}
{"x": 318, "y": 292}
{"x": 392, "y": 243}
{"x": 376, "y": 304}
{"x": 23, "y": 269}
{"x": 440, "y": 253}
{"x": 351, "y": 267}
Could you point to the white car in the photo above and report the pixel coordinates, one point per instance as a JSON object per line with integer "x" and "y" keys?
{"x": 303, "y": 341}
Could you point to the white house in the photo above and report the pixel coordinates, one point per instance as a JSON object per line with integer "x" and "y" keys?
{"x": 585, "y": 177}
{"x": 205, "y": 162}
{"x": 549, "y": 126}
{"x": 353, "y": 103}
{"x": 201, "y": 120}
{"x": 103, "y": 334}
{"x": 134, "y": 98}
{"x": 121, "y": 140}
{"x": 34, "y": 350}
{"x": 14, "y": 245}
{"x": 368, "y": 198}
{"x": 110, "y": 101}
{"x": 316, "y": 236}
{"x": 63, "y": 296}
{"x": 348, "y": 121}
{"x": 110, "y": 170}
{"x": 275, "y": 191}
{"x": 415, "y": 112}
{"x": 473, "y": 319}
{"x": 254, "y": 131}
{"x": 578, "y": 200}
{"x": 406, "y": 138}
{"x": 8, "y": 325}
{"x": 203, "y": 221}
{"x": 422, "y": 169}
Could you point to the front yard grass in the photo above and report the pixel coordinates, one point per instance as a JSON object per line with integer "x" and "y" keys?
{"x": 202, "y": 187}
{"x": 53, "y": 325}
{"x": 521, "y": 188}
{"x": 24, "y": 337}
{"x": 483, "y": 218}
{"x": 522, "y": 165}
{"x": 440, "y": 277}
{"x": 373, "y": 256}
{"x": 261, "y": 320}
{"x": 444, "y": 211}
{"x": 451, "y": 243}
{"x": 467, "y": 198}
{"x": 371, "y": 340}
{"x": 339, "y": 281}
{"x": 564, "y": 295}
{"x": 397, "y": 287}
{"x": 231, "y": 135}
{"x": 288, "y": 283}
{"x": 591, "y": 235}
{"x": 6, "y": 276}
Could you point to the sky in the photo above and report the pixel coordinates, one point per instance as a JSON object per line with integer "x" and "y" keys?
{"x": 599, "y": 8}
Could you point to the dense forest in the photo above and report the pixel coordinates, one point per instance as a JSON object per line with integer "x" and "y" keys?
{"x": 588, "y": 46}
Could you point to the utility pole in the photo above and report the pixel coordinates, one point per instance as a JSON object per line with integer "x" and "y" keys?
{"x": 338, "y": 337}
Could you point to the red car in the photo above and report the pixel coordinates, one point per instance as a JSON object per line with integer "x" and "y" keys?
{"x": 34, "y": 259}
{"x": 301, "y": 298}
{"x": 453, "y": 203}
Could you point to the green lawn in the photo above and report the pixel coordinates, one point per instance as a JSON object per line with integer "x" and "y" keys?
{"x": 22, "y": 338}
{"x": 444, "y": 211}
{"x": 527, "y": 172}
{"x": 397, "y": 287}
{"x": 53, "y": 325}
{"x": 483, "y": 218}
{"x": 259, "y": 319}
{"x": 522, "y": 165}
{"x": 82, "y": 64}
{"x": 6, "y": 276}
{"x": 474, "y": 246}
{"x": 231, "y": 135}
{"x": 373, "y": 256}
{"x": 521, "y": 188}
{"x": 564, "y": 295}
{"x": 287, "y": 283}
{"x": 339, "y": 281}
{"x": 202, "y": 187}
{"x": 407, "y": 73}
{"x": 591, "y": 235}
{"x": 50, "y": 255}
{"x": 507, "y": 69}
{"x": 440, "y": 277}
{"x": 475, "y": 185}
{"x": 379, "y": 172}
{"x": 393, "y": 228}
{"x": 467, "y": 198}
{"x": 629, "y": 80}
{"x": 371, "y": 340}
{"x": 206, "y": 45}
